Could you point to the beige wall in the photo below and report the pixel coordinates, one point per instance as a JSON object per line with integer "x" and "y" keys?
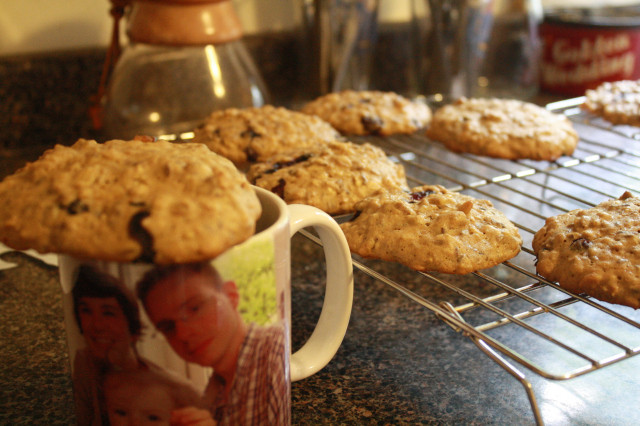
{"x": 41, "y": 25}
{"x": 28, "y": 26}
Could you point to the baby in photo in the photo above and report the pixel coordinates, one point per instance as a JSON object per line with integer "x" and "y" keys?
{"x": 146, "y": 397}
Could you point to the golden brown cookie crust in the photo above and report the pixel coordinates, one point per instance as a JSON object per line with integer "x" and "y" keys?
{"x": 254, "y": 134}
{"x": 332, "y": 177}
{"x": 128, "y": 200}
{"x": 432, "y": 229}
{"x": 370, "y": 112}
{"x": 594, "y": 251}
{"x": 503, "y": 128}
{"x": 617, "y": 102}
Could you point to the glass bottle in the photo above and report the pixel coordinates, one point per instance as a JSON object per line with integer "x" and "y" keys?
{"x": 484, "y": 48}
{"x": 185, "y": 59}
{"x": 511, "y": 65}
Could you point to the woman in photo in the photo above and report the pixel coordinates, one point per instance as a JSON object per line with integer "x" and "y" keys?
{"x": 109, "y": 320}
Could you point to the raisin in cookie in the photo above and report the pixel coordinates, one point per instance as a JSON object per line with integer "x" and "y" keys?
{"x": 128, "y": 200}
{"x": 503, "y": 128}
{"x": 617, "y": 102}
{"x": 594, "y": 251}
{"x": 370, "y": 112}
{"x": 254, "y": 134}
{"x": 332, "y": 177}
{"x": 432, "y": 229}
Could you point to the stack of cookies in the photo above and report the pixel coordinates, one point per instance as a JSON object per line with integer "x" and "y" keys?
{"x": 303, "y": 156}
{"x": 426, "y": 228}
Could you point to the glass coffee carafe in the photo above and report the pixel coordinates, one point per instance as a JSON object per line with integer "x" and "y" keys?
{"x": 185, "y": 59}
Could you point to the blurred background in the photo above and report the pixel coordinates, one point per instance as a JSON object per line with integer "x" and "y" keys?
{"x": 52, "y": 53}
{"x": 28, "y": 26}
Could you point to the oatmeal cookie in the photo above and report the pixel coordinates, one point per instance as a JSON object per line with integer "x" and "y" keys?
{"x": 370, "y": 112}
{"x": 617, "y": 102}
{"x": 331, "y": 177}
{"x": 128, "y": 200}
{"x": 432, "y": 229}
{"x": 594, "y": 251}
{"x": 254, "y": 134}
{"x": 503, "y": 128}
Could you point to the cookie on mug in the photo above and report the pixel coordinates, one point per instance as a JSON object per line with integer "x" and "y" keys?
{"x": 331, "y": 177}
{"x": 617, "y": 102}
{"x": 254, "y": 134}
{"x": 503, "y": 128}
{"x": 430, "y": 228}
{"x": 128, "y": 200}
{"x": 370, "y": 112}
{"x": 594, "y": 251}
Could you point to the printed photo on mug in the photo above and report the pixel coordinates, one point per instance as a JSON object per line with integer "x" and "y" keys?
{"x": 198, "y": 343}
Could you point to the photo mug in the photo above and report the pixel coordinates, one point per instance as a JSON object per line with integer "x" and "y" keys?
{"x": 205, "y": 343}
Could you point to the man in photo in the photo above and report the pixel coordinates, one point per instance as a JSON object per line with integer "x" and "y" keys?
{"x": 197, "y": 312}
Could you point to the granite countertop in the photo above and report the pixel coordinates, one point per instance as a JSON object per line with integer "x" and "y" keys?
{"x": 398, "y": 364}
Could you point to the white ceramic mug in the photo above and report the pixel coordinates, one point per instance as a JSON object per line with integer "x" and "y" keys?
{"x": 207, "y": 341}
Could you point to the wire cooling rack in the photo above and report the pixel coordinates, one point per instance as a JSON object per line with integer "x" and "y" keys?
{"x": 560, "y": 335}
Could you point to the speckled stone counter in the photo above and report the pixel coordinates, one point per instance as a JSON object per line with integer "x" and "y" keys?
{"x": 398, "y": 364}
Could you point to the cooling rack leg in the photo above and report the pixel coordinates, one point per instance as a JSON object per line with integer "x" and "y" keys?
{"x": 484, "y": 347}
{"x": 515, "y": 373}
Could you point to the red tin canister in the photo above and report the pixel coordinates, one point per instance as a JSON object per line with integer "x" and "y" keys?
{"x": 582, "y": 48}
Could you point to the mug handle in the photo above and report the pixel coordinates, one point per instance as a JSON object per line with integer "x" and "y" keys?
{"x": 336, "y": 309}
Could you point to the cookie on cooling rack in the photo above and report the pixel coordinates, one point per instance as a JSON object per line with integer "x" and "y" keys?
{"x": 370, "y": 112}
{"x": 128, "y": 200}
{"x": 332, "y": 177}
{"x": 503, "y": 128}
{"x": 432, "y": 229}
{"x": 254, "y": 134}
{"x": 594, "y": 251}
{"x": 617, "y": 102}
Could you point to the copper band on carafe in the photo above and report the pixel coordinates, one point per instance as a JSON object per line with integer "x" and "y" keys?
{"x": 183, "y": 23}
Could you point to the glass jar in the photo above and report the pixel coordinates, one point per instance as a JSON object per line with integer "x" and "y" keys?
{"x": 484, "y": 48}
{"x": 511, "y": 65}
